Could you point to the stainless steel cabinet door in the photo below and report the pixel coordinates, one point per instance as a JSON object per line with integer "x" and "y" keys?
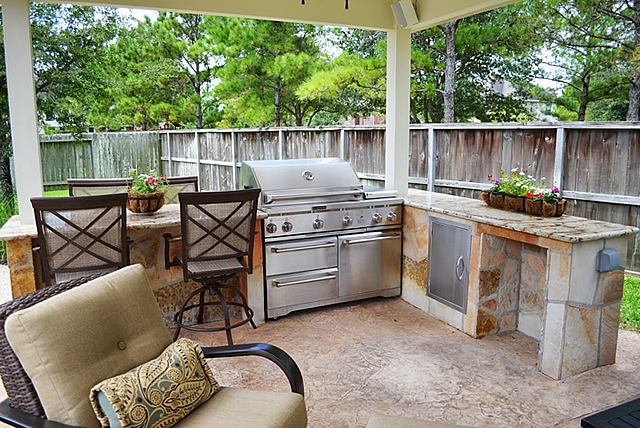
{"x": 449, "y": 247}
{"x": 369, "y": 262}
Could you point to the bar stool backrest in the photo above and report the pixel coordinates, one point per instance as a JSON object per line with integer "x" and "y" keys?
{"x": 187, "y": 183}
{"x": 97, "y": 186}
{"x": 218, "y": 230}
{"x": 104, "y": 186}
{"x": 81, "y": 235}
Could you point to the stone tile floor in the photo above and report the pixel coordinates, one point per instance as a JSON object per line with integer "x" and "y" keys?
{"x": 385, "y": 356}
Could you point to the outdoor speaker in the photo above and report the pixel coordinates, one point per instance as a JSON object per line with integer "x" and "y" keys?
{"x": 405, "y": 13}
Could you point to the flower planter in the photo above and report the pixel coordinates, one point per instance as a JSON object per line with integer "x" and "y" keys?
{"x": 554, "y": 209}
{"x": 536, "y": 207}
{"x": 145, "y": 203}
{"x": 533, "y": 206}
{"x": 496, "y": 200}
{"x": 514, "y": 203}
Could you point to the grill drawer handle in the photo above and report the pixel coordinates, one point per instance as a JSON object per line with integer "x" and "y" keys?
{"x": 303, "y": 281}
{"x": 362, "y": 241}
{"x": 308, "y": 247}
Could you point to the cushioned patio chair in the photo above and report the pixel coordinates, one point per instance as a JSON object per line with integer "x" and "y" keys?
{"x": 64, "y": 342}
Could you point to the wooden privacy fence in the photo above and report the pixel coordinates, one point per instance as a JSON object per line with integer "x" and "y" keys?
{"x": 97, "y": 155}
{"x": 595, "y": 164}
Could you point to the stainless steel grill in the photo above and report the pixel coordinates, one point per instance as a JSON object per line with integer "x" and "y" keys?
{"x": 327, "y": 238}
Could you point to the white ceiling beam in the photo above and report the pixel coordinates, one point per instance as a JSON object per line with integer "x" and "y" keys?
{"x": 368, "y": 14}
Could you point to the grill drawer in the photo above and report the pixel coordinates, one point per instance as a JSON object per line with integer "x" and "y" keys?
{"x": 299, "y": 256}
{"x": 287, "y": 290}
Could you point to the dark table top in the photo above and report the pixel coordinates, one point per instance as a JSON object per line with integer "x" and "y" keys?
{"x": 624, "y": 415}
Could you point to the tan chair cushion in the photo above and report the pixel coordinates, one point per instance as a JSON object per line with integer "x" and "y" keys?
{"x": 383, "y": 421}
{"x": 243, "y": 408}
{"x": 72, "y": 341}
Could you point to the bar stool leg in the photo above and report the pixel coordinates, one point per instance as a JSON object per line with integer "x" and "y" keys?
{"x": 225, "y": 311}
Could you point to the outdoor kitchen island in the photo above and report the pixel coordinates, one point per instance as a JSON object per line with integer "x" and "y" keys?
{"x": 532, "y": 274}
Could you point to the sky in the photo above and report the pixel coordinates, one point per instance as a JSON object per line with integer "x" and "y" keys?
{"x": 139, "y": 14}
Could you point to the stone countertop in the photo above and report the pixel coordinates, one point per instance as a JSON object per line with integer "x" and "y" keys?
{"x": 167, "y": 216}
{"x": 564, "y": 228}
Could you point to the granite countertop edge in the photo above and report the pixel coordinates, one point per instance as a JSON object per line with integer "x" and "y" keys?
{"x": 565, "y": 228}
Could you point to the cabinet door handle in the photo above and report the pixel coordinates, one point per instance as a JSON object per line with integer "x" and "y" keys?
{"x": 364, "y": 240}
{"x": 308, "y": 247}
{"x": 460, "y": 272}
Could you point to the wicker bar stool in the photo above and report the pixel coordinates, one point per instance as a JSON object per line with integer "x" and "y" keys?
{"x": 218, "y": 230}
{"x": 81, "y": 236}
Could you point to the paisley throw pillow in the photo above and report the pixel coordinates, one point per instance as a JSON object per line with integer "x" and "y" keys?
{"x": 160, "y": 392}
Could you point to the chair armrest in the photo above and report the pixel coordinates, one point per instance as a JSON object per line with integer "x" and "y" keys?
{"x": 265, "y": 350}
{"x": 18, "y": 418}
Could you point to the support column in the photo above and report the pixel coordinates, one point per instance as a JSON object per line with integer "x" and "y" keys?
{"x": 398, "y": 97}
{"x": 22, "y": 105}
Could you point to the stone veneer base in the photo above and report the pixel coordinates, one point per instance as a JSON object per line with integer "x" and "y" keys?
{"x": 530, "y": 274}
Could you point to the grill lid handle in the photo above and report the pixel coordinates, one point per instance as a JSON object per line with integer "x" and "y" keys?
{"x": 269, "y": 198}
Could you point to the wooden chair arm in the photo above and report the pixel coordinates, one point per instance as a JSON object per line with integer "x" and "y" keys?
{"x": 18, "y": 418}
{"x": 265, "y": 350}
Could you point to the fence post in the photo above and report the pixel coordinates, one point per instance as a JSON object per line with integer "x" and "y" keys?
{"x": 558, "y": 163}
{"x": 280, "y": 143}
{"x": 234, "y": 160}
{"x": 170, "y": 147}
{"x": 431, "y": 146}
{"x": 342, "y": 142}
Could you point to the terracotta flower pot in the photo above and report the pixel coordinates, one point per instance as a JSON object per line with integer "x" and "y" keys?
{"x": 514, "y": 203}
{"x": 496, "y": 200}
{"x": 533, "y": 206}
{"x": 145, "y": 203}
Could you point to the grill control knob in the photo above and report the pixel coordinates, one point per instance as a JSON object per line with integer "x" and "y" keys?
{"x": 392, "y": 216}
{"x": 287, "y": 226}
{"x": 272, "y": 228}
{"x": 347, "y": 220}
{"x": 318, "y": 223}
{"x": 377, "y": 218}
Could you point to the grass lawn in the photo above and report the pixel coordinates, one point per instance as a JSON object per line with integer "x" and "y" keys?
{"x": 630, "y": 307}
{"x": 56, "y": 193}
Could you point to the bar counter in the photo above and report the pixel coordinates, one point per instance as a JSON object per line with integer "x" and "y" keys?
{"x": 535, "y": 275}
{"x": 147, "y": 248}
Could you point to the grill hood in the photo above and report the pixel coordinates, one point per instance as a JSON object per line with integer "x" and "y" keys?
{"x": 293, "y": 181}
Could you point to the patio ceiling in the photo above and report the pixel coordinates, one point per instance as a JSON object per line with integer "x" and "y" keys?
{"x": 369, "y": 14}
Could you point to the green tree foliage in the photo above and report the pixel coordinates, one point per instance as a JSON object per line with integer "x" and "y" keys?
{"x": 354, "y": 83}
{"x": 583, "y": 52}
{"x": 180, "y": 70}
{"x": 145, "y": 85}
{"x": 490, "y": 48}
{"x": 69, "y": 44}
{"x": 265, "y": 63}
